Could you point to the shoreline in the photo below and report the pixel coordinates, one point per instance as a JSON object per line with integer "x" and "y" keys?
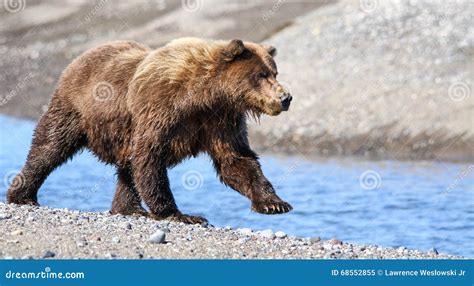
{"x": 43, "y": 232}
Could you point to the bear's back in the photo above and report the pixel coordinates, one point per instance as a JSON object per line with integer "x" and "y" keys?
{"x": 99, "y": 77}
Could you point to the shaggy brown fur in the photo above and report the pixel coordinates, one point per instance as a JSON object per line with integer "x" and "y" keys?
{"x": 146, "y": 110}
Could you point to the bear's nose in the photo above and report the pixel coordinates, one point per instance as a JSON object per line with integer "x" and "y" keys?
{"x": 285, "y": 99}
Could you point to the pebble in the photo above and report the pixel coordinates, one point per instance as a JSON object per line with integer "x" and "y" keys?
{"x": 243, "y": 240}
{"x": 17, "y": 232}
{"x": 206, "y": 243}
{"x": 315, "y": 239}
{"x": 48, "y": 254}
{"x": 268, "y": 233}
{"x": 402, "y": 249}
{"x": 116, "y": 239}
{"x": 246, "y": 231}
{"x": 434, "y": 250}
{"x": 81, "y": 242}
{"x": 336, "y": 242}
{"x": 111, "y": 255}
{"x": 280, "y": 234}
{"x": 5, "y": 216}
{"x": 158, "y": 237}
{"x": 128, "y": 226}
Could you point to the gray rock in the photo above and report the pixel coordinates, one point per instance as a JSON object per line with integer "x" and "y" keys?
{"x": 434, "y": 251}
{"x": 245, "y": 231}
{"x": 81, "y": 242}
{"x": 280, "y": 234}
{"x": 158, "y": 237}
{"x": 402, "y": 249}
{"x": 5, "y": 216}
{"x": 315, "y": 239}
{"x": 48, "y": 254}
{"x": 111, "y": 255}
{"x": 127, "y": 225}
{"x": 268, "y": 233}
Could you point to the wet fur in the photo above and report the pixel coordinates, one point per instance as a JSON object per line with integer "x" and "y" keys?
{"x": 166, "y": 105}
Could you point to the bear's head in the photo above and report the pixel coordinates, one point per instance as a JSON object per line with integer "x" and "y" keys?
{"x": 249, "y": 74}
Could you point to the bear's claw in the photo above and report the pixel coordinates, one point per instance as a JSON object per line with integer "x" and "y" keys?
{"x": 271, "y": 207}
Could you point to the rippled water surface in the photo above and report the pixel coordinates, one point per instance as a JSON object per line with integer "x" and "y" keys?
{"x": 416, "y": 204}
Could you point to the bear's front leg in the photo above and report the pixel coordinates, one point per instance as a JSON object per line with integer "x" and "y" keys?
{"x": 151, "y": 180}
{"x": 240, "y": 169}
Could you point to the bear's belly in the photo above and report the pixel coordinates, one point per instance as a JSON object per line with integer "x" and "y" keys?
{"x": 184, "y": 146}
{"x": 110, "y": 141}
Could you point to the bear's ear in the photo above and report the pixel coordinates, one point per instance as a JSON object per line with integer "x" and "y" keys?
{"x": 271, "y": 50}
{"x": 233, "y": 49}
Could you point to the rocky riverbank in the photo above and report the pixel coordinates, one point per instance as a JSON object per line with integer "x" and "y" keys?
{"x": 38, "y": 39}
{"x": 390, "y": 80}
{"x": 41, "y": 232}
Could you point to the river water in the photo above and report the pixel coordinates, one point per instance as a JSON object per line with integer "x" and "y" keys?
{"x": 390, "y": 203}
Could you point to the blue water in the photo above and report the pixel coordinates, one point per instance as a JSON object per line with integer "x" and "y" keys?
{"x": 416, "y": 204}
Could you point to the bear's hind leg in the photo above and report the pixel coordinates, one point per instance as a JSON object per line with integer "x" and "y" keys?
{"x": 126, "y": 199}
{"x": 57, "y": 138}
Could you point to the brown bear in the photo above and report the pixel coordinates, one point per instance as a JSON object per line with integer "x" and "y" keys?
{"x": 146, "y": 110}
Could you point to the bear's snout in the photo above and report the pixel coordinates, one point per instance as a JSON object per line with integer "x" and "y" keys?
{"x": 285, "y": 99}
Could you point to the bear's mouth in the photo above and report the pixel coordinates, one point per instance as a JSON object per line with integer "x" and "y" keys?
{"x": 274, "y": 108}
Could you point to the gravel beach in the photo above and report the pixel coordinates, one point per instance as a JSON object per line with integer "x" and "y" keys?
{"x": 41, "y": 232}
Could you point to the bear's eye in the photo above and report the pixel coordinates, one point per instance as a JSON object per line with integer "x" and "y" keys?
{"x": 263, "y": 75}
